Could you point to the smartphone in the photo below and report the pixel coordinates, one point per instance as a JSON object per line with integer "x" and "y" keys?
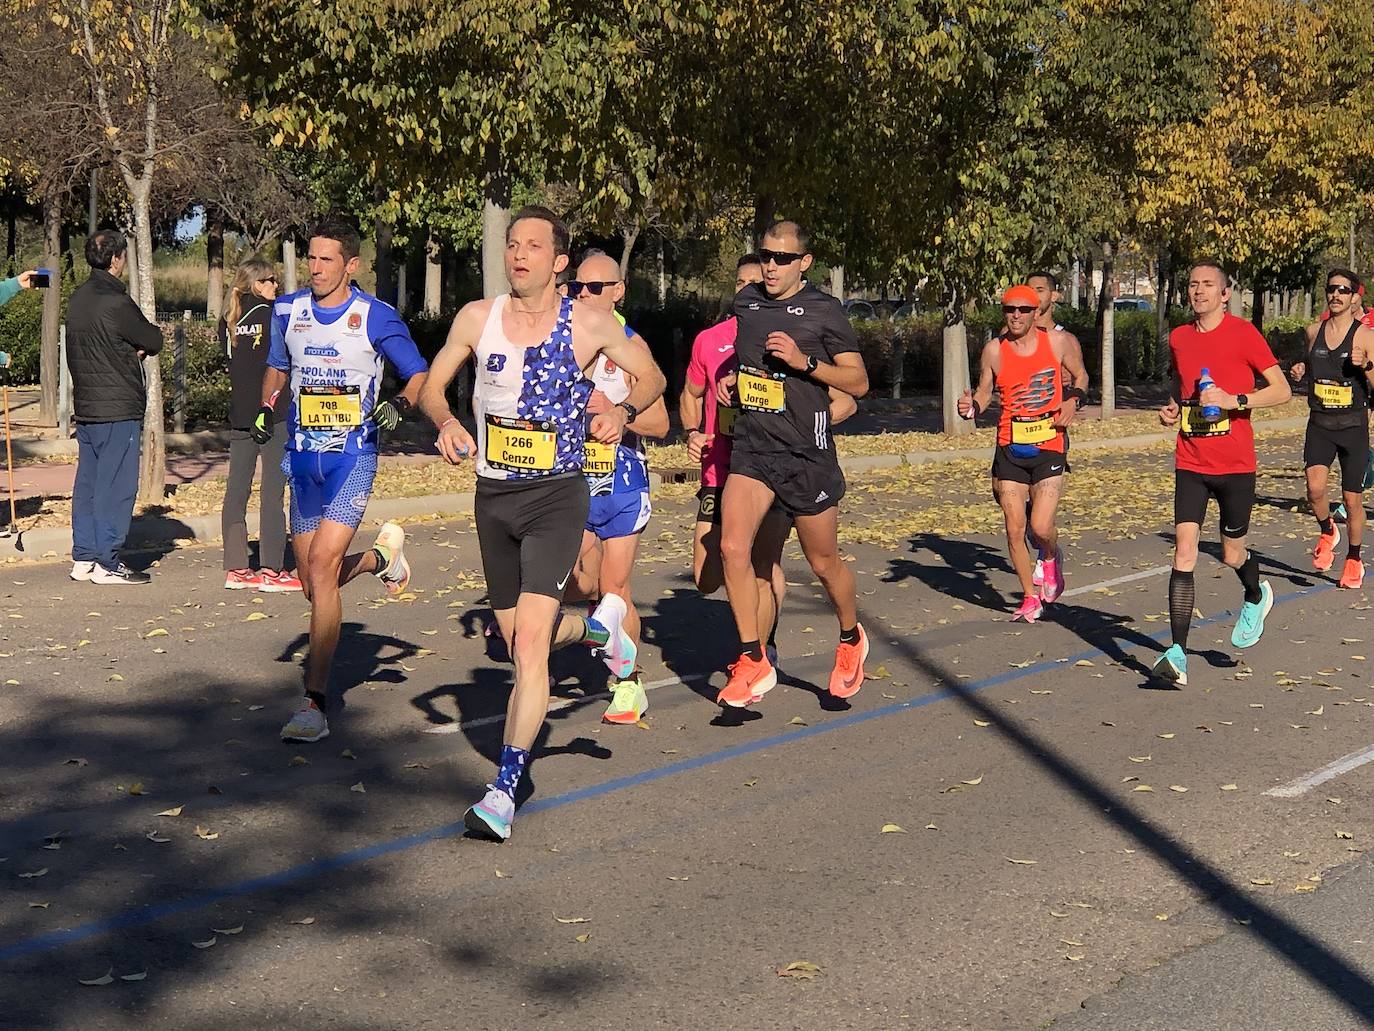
{"x": 41, "y": 278}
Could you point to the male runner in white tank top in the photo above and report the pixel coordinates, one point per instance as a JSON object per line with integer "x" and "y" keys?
{"x": 533, "y": 351}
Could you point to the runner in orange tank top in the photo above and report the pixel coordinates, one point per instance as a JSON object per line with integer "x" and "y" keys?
{"x": 1027, "y": 365}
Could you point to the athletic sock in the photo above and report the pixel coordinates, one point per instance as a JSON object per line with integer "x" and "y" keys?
{"x": 317, "y": 698}
{"x": 513, "y": 763}
{"x": 1182, "y": 593}
{"x": 850, "y": 636}
{"x": 383, "y": 555}
{"x": 1249, "y": 577}
{"x": 1354, "y": 551}
{"x": 1327, "y": 526}
{"x": 752, "y": 649}
{"x": 592, "y": 633}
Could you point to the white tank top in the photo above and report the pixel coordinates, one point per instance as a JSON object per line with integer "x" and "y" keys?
{"x": 530, "y": 402}
{"x": 630, "y": 473}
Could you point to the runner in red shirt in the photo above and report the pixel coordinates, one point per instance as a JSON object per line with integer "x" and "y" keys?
{"x": 1215, "y": 456}
{"x": 1027, "y": 364}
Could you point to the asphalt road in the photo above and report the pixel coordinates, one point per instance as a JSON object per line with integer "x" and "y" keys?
{"x": 660, "y": 877}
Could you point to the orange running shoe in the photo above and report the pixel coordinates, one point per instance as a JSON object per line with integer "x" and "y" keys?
{"x": 848, "y": 675}
{"x": 1325, "y": 551}
{"x": 750, "y": 679}
{"x": 1352, "y": 576}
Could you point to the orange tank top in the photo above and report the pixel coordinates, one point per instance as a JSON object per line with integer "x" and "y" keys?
{"x": 1031, "y": 388}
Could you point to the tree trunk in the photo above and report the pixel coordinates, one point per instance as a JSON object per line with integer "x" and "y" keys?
{"x": 214, "y": 255}
{"x": 837, "y": 282}
{"x": 288, "y": 262}
{"x": 626, "y": 250}
{"x": 1087, "y": 280}
{"x": 131, "y": 267}
{"x": 1307, "y": 305}
{"x": 1258, "y": 305}
{"x": 1074, "y": 280}
{"x": 1236, "y": 305}
{"x": 1106, "y": 320}
{"x": 434, "y": 272}
{"x": 1166, "y": 274}
{"x": 11, "y": 233}
{"x": 954, "y": 366}
{"x": 496, "y": 198}
{"x": 152, "y": 481}
{"x": 662, "y": 276}
{"x": 402, "y": 300}
{"x": 764, "y": 206}
{"x": 50, "y": 359}
{"x": 385, "y": 267}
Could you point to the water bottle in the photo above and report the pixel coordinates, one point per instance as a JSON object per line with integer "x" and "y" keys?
{"x": 1211, "y": 413}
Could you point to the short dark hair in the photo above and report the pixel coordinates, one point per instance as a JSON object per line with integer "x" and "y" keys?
{"x": 562, "y": 239}
{"x": 1346, "y": 274}
{"x": 1208, "y": 262}
{"x": 103, "y": 246}
{"x": 787, "y": 225}
{"x": 749, "y": 259}
{"x": 337, "y": 228}
{"x": 1043, "y": 274}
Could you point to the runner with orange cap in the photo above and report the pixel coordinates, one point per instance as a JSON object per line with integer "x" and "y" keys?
{"x": 1028, "y": 365}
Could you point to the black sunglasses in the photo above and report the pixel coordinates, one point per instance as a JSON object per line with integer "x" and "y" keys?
{"x": 1336, "y": 288}
{"x": 268, "y": 279}
{"x": 779, "y": 257}
{"x": 575, "y": 287}
{"x": 1019, "y": 309}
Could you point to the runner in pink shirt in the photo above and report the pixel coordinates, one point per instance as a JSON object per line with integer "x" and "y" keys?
{"x": 708, "y": 426}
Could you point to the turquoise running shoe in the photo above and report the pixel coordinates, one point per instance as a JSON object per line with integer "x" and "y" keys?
{"x": 1250, "y": 625}
{"x": 491, "y": 818}
{"x": 1172, "y": 666}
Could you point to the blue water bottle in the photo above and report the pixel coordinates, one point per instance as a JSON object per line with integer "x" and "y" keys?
{"x": 1211, "y": 413}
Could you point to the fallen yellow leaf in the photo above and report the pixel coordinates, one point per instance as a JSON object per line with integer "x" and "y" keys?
{"x": 892, "y": 828}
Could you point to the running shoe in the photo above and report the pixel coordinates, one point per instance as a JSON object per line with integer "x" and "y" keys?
{"x": 1250, "y": 625}
{"x": 120, "y": 575}
{"x": 81, "y": 571}
{"x": 307, "y": 725}
{"x": 491, "y": 818}
{"x": 1325, "y": 551}
{"x": 396, "y": 575}
{"x": 750, "y": 679}
{"x": 1352, "y": 576}
{"x": 1172, "y": 666}
{"x": 243, "y": 580}
{"x": 848, "y": 675}
{"x": 1038, "y": 576}
{"x": 283, "y": 582}
{"x": 1052, "y": 583}
{"x": 629, "y": 702}
{"x": 619, "y": 652}
{"x": 1031, "y": 609}
{"x": 1338, "y": 513}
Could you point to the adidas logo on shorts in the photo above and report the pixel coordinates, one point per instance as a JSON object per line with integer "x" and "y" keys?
{"x": 822, "y": 496}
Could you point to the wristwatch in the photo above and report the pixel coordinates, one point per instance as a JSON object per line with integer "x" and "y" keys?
{"x": 1368, "y": 365}
{"x": 631, "y": 412}
{"x": 811, "y": 364}
{"x": 1242, "y": 402}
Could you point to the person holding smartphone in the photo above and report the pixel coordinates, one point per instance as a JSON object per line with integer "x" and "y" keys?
{"x": 9, "y": 290}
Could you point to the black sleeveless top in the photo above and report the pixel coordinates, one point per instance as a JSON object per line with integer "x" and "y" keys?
{"x": 1337, "y": 392}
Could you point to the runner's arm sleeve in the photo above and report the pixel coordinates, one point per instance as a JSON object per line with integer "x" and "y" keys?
{"x": 837, "y": 332}
{"x": 393, "y": 341}
{"x": 277, "y": 355}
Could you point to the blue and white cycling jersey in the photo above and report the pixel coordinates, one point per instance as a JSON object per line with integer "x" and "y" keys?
{"x": 334, "y": 357}
{"x": 631, "y": 472}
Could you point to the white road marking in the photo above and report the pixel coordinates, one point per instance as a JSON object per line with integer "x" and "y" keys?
{"x": 1330, "y": 771}
{"x": 1089, "y": 588}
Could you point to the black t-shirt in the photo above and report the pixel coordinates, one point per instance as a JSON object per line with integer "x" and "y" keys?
{"x": 246, "y": 355}
{"x": 783, "y": 410}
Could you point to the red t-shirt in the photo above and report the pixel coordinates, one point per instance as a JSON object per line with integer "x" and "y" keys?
{"x": 713, "y": 356}
{"x": 1237, "y": 357}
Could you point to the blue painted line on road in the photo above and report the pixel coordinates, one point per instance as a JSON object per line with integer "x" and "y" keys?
{"x": 329, "y": 864}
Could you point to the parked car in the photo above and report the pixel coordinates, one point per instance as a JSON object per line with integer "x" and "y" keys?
{"x": 1133, "y": 304}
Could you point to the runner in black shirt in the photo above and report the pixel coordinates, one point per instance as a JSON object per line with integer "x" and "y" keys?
{"x": 793, "y": 343}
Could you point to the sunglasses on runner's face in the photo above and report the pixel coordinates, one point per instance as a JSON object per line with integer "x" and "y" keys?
{"x": 575, "y": 287}
{"x": 1336, "y": 288}
{"x": 779, "y": 257}
{"x": 1019, "y": 309}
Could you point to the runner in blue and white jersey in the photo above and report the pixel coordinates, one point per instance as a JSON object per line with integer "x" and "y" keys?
{"x": 331, "y": 342}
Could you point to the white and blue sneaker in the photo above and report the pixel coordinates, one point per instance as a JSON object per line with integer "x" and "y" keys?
{"x": 1250, "y": 625}
{"x": 491, "y": 818}
{"x": 619, "y": 653}
{"x": 1172, "y": 666}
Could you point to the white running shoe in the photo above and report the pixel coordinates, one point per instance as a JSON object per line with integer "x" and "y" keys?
{"x": 492, "y": 817}
{"x": 307, "y": 725}
{"x": 620, "y": 652}
{"x": 81, "y": 571}
{"x": 396, "y": 575}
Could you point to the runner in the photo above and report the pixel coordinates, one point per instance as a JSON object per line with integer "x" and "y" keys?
{"x": 533, "y": 349}
{"x": 1027, "y": 365}
{"x": 1217, "y": 359}
{"x": 1046, "y": 286}
{"x": 329, "y": 342}
{"x": 709, "y": 442}
{"x": 619, "y": 481}
{"x": 1338, "y": 395}
{"x": 793, "y": 343}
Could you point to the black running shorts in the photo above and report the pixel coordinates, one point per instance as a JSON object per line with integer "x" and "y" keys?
{"x": 530, "y": 534}
{"x": 1235, "y": 494}
{"x": 1006, "y": 466}
{"x": 1323, "y": 446}
{"x": 802, "y": 485}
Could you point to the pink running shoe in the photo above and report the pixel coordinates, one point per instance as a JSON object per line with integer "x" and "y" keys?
{"x": 1031, "y": 609}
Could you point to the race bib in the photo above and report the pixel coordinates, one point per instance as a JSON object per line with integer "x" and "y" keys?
{"x": 1334, "y": 395}
{"x": 598, "y": 459}
{"x": 1192, "y": 424}
{"x": 760, "y": 390}
{"x": 1037, "y": 429}
{"x": 725, "y": 419}
{"x": 519, "y": 445}
{"x": 329, "y": 408}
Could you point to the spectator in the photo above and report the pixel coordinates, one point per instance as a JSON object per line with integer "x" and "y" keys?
{"x": 245, "y": 334}
{"x": 107, "y": 339}
{"x": 8, "y": 289}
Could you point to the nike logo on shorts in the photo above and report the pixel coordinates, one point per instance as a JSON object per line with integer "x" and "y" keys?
{"x": 1056, "y": 468}
{"x": 564, "y": 582}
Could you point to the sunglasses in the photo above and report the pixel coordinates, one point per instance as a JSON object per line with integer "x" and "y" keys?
{"x": 1018, "y": 309}
{"x": 268, "y": 279}
{"x": 779, "y": 257}
{"x": 575, "y": 287}
{"x": 1337, "y": 289}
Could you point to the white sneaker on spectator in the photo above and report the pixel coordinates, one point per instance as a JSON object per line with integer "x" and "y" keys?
{"x": 119, "y": 575}
{"x": 81, "y": 571}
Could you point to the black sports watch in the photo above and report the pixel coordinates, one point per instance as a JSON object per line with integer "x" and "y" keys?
{"x": 1242, "y": 402}
{"x": 811, "y": 364}
{"x": 631, "y": 411}
{"x": 1368, "y": 365}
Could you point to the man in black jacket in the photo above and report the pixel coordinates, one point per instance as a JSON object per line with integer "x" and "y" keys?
{"x": 107, "y": 339}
